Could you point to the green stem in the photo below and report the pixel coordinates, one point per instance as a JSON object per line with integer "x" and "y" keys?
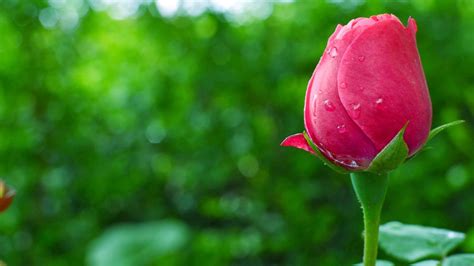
{"x": 370, "y": 190}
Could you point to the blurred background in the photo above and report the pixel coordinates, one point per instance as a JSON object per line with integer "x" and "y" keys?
{"x": 140, "y": 132}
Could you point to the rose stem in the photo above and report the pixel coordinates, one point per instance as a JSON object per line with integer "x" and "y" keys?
{"x": 370, "y": 189}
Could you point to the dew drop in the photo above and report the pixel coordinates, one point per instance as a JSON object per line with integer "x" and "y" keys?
{"x": 333, "y": 52}
{"x": 353, "y": 164}
{"x": 329, "y": 106}
{"x": 341, "y": 128}
{"x": 355, "y": 110}
{"x": 361, "y": 88}
{"x": 343, "y": 85}
{"x": 378, "y": 103}
{"x": 328, "y": 153}
{"x": 348, "y": 162}
{"x": 451, "y": 235}
{"x": 361, "y": 58}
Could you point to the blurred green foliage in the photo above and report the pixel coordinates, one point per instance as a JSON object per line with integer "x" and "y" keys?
{"x": 145, "y": 118}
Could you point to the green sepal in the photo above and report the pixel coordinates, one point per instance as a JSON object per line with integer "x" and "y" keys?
{"x": 323, "y": 158}
{"x": 436, "y": 131}
{"x": 391, "y": 156}
{"x": 433, "y": 133}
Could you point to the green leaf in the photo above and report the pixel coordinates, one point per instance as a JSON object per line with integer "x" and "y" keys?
{"x": 137, "y": 244}
{"x": 391, "y": 156}
{"x": 427, "y": 263}
{"x": 323, "y": 158}
{"x": 414, "y": 242}
{"x": 459, "y": 260}
{"x": 437, "y": 130}
{"x": 379, "y": 263}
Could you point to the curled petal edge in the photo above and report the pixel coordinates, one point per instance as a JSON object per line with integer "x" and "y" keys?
{"x": 297, "y": 141}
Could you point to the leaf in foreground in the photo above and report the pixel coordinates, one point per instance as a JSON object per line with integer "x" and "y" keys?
{"x": 459, "y": 260}
{"x": 137, "y": 244}
{"x": 414, "y": 242}
{"x": 426, "y": 263}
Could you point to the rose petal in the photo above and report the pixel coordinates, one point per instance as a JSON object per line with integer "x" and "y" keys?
{"x": 298, "y": 141}
{"x": 326, "y": 120}
{"x": 388, "y": 85}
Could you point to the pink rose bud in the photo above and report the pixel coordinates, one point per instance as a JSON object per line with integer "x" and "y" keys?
{"x": 6, "y": 196}
{"x": 368, "y": 84}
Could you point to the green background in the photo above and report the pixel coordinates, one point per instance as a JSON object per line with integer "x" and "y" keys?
{"x": 171, "y": 124}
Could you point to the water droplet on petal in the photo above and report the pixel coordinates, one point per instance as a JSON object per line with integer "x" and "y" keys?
{"x": 341, "y": 128}
{"x": 378, "y": 103}
{"x": 347, "y": 161}
{"x": 343, "y": 85}
{"x": 328, "y": 153}
{"x": 333, "y": 52}
{"x": 355, "y": 110}
{"x": 361, "y": 88}
{"x": 353, "y": 164}
{"x": 361, "y": 58}
{"x": 329, "y": 106}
